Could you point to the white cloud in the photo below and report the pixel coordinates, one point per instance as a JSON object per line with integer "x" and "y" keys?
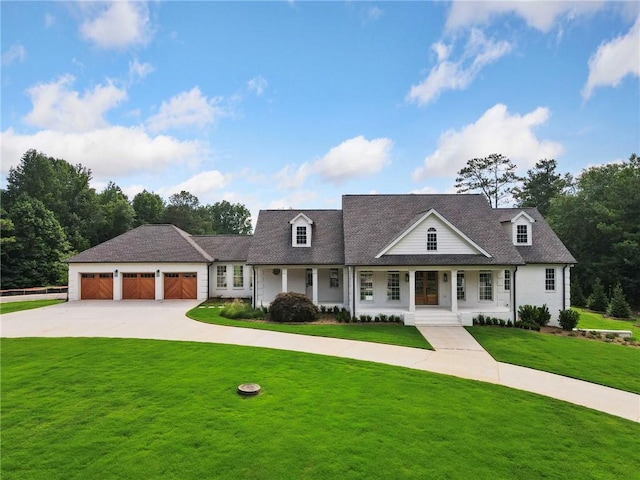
{"x": 614, "y": 60}
{"x": 257, "y": 85}
{"x": 478, "y": 52}
{"x": 542, "y": 16}
{"x": 186, "y": 109}
{"x": 56, "y": 106}
{"x": 49, "y": 20}
{"x": 15, "y": 52}
{"x": 109, "y": 152}
{"x": 137, "y": 70}
{"x": 117, "y": 24}
{"x": 203, "y": 185}
{"x": 355, "y": 157}
{"x": 496, "y": 131}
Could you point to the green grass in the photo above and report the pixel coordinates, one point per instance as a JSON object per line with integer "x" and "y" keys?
{"x": 77, "y": 408}
{"x": 391, "y": 334}
{"x": 597, "y": 321}
{"x": 9, "y": 307}
{"x": 615, "y": 366}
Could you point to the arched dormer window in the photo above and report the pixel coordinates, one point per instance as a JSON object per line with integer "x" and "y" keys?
{"x": 432, "y": 240}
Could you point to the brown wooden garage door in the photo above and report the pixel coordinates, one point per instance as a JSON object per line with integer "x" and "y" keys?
{"x": 180, "y": 285}
{"x": 140, "y": 286}
{"x": 96, "y": 286}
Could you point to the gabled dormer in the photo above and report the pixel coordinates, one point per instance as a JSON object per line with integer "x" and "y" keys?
{"x": 301, "y": 230}
{"x": 522, "y": 229}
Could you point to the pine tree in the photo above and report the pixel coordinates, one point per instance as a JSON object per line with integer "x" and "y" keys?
{"x": 598, "y": 300}
{"x": 619, "y": 307}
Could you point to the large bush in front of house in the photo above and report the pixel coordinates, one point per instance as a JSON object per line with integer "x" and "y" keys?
{"x": 568, "y": 319}
{"x": 293, "y": 307}
{"x": 532, "y": 315}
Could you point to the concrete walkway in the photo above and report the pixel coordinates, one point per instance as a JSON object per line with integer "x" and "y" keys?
{"x": 457, "y": 353}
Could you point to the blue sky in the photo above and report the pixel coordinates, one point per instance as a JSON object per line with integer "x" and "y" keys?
{"x": 292, "y": 104}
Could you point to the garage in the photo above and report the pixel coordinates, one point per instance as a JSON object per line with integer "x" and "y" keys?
{"x": 180, "y": 286}
{"x": 96, "y": 286}
{"x": 139, "y": 286}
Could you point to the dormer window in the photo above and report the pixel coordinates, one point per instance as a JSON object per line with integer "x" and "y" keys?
{"x": 301, "y": 230}
{"x": 432, "y": 240}
{"x": 522, "y": 234}
{"x": 301, "y": 235}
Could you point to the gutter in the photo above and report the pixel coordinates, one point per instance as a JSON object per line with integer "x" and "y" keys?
{"x": 353, "y": 291}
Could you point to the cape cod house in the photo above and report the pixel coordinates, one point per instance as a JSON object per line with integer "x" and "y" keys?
{"x": 432, "y": 259}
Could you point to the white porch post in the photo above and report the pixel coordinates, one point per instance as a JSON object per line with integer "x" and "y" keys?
{"x": 412, "y": 291}
{"x": 454, "y": 291}
{"x": 314, "y": 287}
{"x": 285, "y": 286}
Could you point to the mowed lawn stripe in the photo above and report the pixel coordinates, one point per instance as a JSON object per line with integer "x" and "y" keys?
{"x": 117, "y": 408}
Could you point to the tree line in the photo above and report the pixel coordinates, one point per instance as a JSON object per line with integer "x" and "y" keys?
{"x": 596, "y": 215}
{"x": 48, "y": 212}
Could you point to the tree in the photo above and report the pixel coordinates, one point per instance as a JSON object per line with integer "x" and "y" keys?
{"x": 598, "y": 300}
{"x": 493, "y": 176}
{"x": 149, "y": 208}
{"x": 600, "y": 224}
{"x": 183, "y": 211}
{"x": 62, "y": 188}
{"x": 116, "y": 213}
{"x": 229, "y": 218}
{"x": 618, "y": 307}
{"x": 541, "y": 185}
{"x": 6, "y": 229}
{"x": 36, "y": 257}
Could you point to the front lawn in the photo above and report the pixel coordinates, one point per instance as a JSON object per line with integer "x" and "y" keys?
{"x": 9, "y": 307}
{"x": 391, "y": 334}
{"x": 616, "y": 366}
{"x": 598, "y": 321}
{"x": 77, "y": 408}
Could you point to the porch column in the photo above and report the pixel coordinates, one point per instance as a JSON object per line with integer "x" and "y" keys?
{"x": 412, "y": 291}
{"x": 454, "y": 291}
{"x": 314, "y": 287}
{"x": 346, "y": 297}
{"x": 285, "y": 286}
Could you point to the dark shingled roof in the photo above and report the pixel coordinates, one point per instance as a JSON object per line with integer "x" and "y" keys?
{"x": 545, "y": 247}
{"x": 372, "y": 222}
{"x": 225, "y": 248}
{"x": 146, "y": 244}
{"x": 272, "y": 239}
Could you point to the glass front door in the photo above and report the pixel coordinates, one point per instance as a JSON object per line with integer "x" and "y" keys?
{"x": 427, "y": 288}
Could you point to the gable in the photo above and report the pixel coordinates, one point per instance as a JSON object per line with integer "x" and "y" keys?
{"x": 449, "y": 240}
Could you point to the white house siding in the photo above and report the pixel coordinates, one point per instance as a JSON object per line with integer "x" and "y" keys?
{"x": 531, "y": 290}
{"x": 76, "y": 269}
{"x": 449, "y": 242}
{"x": 268, "y": 284}
{"x": 230, "y": 291}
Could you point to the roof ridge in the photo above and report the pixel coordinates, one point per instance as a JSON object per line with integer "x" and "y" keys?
{"x": 193, "y": 243}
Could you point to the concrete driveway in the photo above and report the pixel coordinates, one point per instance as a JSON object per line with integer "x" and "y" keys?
{"x": 457, "y": 353}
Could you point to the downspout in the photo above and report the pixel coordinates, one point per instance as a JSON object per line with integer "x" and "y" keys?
{"x": 353, "y": 291}
{"x": 209, "y": 280}
{"x": 255, "y": 278}
{"x": 515, "y": 306}
{"x": 564, "y": 287}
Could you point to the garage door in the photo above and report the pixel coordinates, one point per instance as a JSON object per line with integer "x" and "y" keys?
{"x": 180, "y": 285}
{"x": 96, "y": 286}
{"x": 139, "y": 286}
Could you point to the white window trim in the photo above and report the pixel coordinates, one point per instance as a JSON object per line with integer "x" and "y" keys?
{"x": 555, "y": 280}
{"x": 241, "y": 277}
{"x": 389, "y": 287}
{"x": 493, "y": 293}
{"x": 223, "y": 277}
{"x": 369, "y": 273}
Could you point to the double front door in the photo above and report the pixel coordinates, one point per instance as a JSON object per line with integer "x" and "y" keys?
{"x": 426, "y": 288}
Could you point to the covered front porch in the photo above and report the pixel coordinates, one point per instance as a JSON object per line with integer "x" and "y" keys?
{"x": 434, "y": 295}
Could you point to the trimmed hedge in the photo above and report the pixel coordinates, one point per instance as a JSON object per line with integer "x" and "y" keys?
{"x": 293, "y": 307}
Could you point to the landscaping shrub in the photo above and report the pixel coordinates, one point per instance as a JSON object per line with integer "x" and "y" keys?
{"x": 293, "y": 307}
{"x": 598, "y": 301}
{"x": 530, "y": 314}
{"x": 577, "y": 295}
{"x": 568, "y": 319}
{"x": 619, "y": 307}
{"x": 240, "y": 309}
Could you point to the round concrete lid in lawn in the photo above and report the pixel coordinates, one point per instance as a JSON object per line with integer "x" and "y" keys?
{"x": 249, "y": 389}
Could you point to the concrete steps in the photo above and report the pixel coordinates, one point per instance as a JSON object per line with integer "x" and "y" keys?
{"x": 437, "y": 319}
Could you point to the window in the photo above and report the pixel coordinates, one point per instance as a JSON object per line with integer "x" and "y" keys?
{"x": 238, "y": 276}
{"x": 393, "y": 286}
{"x": 309, "y": 282}
{"x": 221, "y": 276}
{"x": 461, "y": 287}
{"x": 366, "y": 285}
{"x": 301, "y": 235}
{"x": 334, "y": 279}
{"x": 522, "y": 234}
{"x": 486, "y": 286}
{"x": 507, "y": 280}
{"x": 432, "y": 240}
{"x": 550, "y": 279}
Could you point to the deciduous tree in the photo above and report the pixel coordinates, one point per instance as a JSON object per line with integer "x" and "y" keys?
{"x": 494, "y": 176}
